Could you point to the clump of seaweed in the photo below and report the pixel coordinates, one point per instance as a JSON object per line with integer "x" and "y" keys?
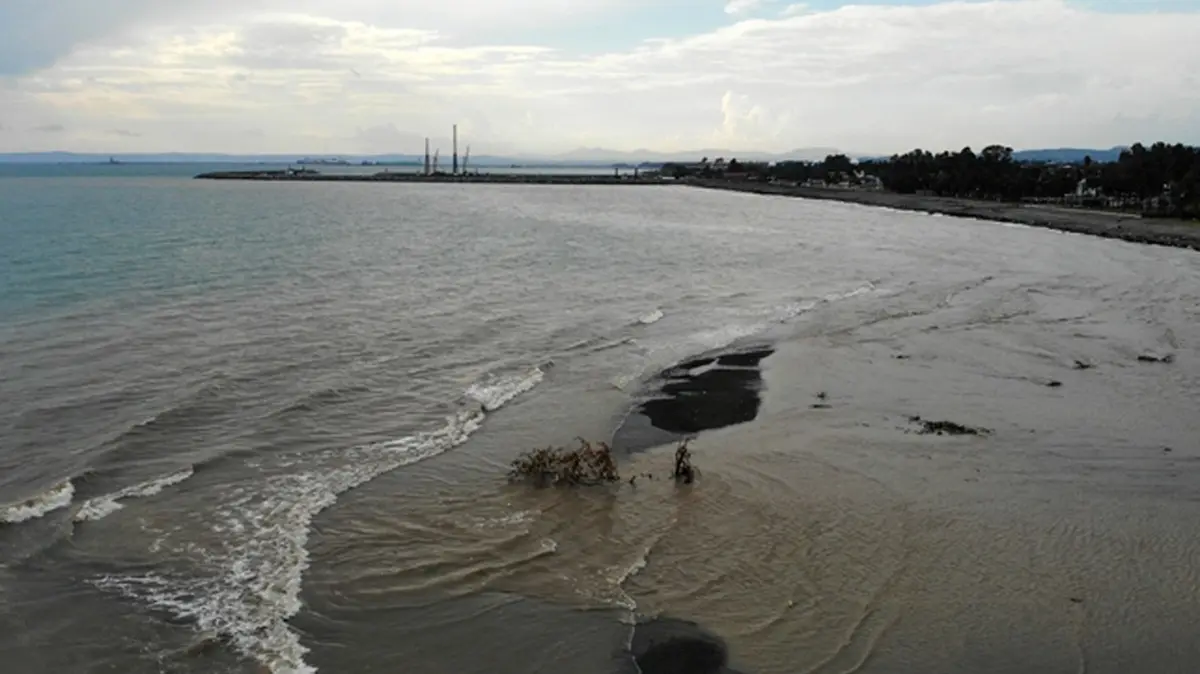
{"x": 945, "y": 427}
{"x": 587, "y": 465}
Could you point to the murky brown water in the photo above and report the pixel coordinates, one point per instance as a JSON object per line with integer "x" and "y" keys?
{"x": 285, "y": 460}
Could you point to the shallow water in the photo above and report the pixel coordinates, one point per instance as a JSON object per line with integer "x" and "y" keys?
{"x": 279, "y": 416}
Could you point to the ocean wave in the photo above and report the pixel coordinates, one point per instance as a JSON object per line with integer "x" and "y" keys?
{"x": 512, "y": 519}
{"x": 652, "y": 317}
{"x": 198, "y": 407}
{"x": 793, "y": 311}
{"x": 599, "y": 345}
{"x": 495, "y": 392}
{"x": 262, "y": 529}
{"x": 102, "y": 506}
{"x": 725, "y": 335}
{"x": 56, "y": 497}
{"x": 335, "y": 395}
{"x": 618, "y": 576}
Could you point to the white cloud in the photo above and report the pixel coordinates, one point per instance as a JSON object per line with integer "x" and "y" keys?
{"x": 359, "y": 76}
{"x": 742, "y": 6}
{"x": 795, "y": 9}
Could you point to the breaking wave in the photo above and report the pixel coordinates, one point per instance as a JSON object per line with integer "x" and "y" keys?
{"x": 495, "y": 392}
{"x": 54, "y": 498}
{"x": 103, "y": 506}
{"x": 724, "y": 335}
{"x": 652, "y": 317}
{"x": 255, "y": 570}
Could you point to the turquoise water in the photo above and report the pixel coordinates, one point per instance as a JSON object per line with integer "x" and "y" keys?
{"x": 72, "y": 241}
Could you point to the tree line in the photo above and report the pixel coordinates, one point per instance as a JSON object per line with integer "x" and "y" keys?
{"x": 1159, "y": 180}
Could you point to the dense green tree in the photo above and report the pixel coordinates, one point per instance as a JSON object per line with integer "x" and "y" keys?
{"x": 1159, "y": 180}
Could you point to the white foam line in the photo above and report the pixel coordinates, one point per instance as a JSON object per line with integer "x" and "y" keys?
{"x": 497, "y": 392}
{"x": 58, "y": 496}
{"x": 625, "y": 600}
{"x": 263, "y": 528}
{"x": 102, "y": 506}
{"x": 652, "y": 317}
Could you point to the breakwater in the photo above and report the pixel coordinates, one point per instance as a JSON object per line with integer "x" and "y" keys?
{"x": 473, "y": 178}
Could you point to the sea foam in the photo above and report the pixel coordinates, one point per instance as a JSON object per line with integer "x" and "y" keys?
{"x": 102, "y": 506}
{"x": 54, "y": 498}
{"x": 255, "y": 574}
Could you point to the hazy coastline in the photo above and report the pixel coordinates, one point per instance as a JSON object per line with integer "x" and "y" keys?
{"x": 1112, "y": 225}
{"x": 1107, "y": 224}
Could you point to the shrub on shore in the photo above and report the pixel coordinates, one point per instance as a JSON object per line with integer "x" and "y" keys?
{"x": 587, "y": 465}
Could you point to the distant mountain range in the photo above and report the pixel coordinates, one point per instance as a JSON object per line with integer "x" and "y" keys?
{"x": 582, "y": 157}
{"x": 1069, "y": 155}
{"x": 602, "y": 154}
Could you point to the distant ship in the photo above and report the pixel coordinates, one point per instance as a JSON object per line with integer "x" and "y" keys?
{"x": 334, "y": 161}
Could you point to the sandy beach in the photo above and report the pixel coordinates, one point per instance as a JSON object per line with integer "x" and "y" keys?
{"x": 835, "y": 536}
{"x": 1113, "y": 225}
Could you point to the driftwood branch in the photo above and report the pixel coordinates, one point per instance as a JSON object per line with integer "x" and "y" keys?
{"x": 587, "y": 465}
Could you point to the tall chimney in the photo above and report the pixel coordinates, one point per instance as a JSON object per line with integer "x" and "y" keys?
{"x": 454, "y": 170}
{"x": 426, "y": 156}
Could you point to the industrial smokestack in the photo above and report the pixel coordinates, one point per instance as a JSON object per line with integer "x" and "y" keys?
{"x": 454, "y": 170}
{"x": 426, "y": 156}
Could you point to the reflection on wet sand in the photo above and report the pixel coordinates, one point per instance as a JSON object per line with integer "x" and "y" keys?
{"x": 672, "y": 646}
{"x": 1044, "y": 529}
{"x": 704, "y": 393}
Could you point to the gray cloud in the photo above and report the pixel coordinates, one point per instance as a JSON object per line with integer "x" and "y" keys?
{"x": 289, "y": 45}
{"x": 868, "y": 78}
{"x": 50, "y": 128}
{"x": 35, "y": 34}
{"x": 125, "y": 133}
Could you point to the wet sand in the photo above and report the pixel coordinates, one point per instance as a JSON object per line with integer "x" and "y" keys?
{"x": 837, "y": 537}
{"x": 1113, "y": 225}
{"x": 828, "y": 532}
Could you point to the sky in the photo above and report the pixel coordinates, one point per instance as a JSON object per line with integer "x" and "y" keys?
{"x": 555, "y": 76}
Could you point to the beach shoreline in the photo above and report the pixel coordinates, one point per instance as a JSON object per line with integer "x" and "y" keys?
{"x": 1111, "y": 225}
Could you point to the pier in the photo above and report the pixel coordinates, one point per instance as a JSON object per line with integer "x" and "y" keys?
{"x": 308, "y": 175}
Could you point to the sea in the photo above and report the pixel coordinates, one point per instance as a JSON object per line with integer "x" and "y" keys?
{"x": 267, "y": 428}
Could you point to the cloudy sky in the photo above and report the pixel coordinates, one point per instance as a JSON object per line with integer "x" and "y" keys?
{"x": 547, "y": 76}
